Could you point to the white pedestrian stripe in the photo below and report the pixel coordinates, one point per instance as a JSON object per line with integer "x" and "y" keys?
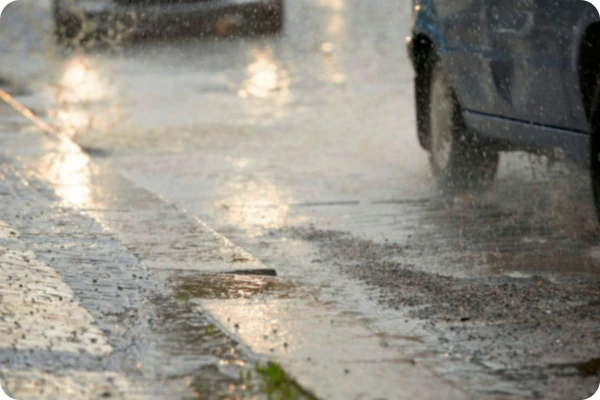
{"x": 66, "y": 385}
{"x": 38, "y": 309}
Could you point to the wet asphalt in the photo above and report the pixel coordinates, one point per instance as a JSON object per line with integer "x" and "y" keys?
{"x": 301, "y": 150}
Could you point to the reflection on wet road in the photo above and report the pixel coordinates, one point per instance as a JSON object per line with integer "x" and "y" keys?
{"x": 302, "y": 149}
{"x": 69, "y": 171}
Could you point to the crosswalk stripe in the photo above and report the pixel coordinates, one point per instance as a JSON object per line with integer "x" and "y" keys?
{"x": 38, "y": 311}
{"x": 76, "y": 385}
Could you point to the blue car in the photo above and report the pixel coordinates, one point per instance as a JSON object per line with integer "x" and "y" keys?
{"x": 503, "y": 75}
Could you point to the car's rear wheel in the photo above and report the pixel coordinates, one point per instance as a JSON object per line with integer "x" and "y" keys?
{"x": 458, "y": 161}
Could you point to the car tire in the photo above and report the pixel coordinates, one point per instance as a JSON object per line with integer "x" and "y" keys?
{"x": 458, "y": 161}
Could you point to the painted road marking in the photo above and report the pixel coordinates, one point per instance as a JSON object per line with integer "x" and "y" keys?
{"x": 66, "y": 385}
{"x": 38, "y": 310}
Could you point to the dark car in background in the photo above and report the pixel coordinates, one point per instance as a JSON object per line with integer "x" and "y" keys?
{"x": 502, "y": 75}
{"x": 76, "y": 20}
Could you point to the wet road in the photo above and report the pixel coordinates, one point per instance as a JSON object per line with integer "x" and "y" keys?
{"x": 301, "y": 149}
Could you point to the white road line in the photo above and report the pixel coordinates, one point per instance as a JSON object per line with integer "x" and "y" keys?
{"x": 38, "y": 310}
{"x": 66, "y": 385}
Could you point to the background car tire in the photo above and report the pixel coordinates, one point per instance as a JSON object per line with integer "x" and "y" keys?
{"x": 65, "y": 29}
{"x": 73, "y": 30}
{"x": 458, "y": 161}
{"x": 273, "y": 19}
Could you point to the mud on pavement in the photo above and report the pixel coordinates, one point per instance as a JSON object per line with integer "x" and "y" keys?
{"x": 540, "y": 336}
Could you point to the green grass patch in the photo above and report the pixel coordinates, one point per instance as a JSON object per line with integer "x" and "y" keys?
{"x": 273, "y": 382}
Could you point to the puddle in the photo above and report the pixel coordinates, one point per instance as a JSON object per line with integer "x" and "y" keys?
{"x": 416, "y": 339}
{"x": 231, "y": 286}
{"x": 413, "y": 339}
{"x": 585, "y": 369}
{"x": 95, "y": 151}
{"x": 211, "y": 380}
{"x": 589, "y": 368}
{"x": 187, "y": 345}
{"x": 258, "y": 272}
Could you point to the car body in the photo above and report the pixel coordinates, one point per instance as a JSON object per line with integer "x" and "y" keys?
{"x": 523, "y": 73}
{"x": 160, "y": 16}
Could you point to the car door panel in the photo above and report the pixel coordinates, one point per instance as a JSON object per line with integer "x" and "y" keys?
{"x": 516, "y": 58}
{"x": 536, "y": 38}
{"x": 465, "y": 52}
